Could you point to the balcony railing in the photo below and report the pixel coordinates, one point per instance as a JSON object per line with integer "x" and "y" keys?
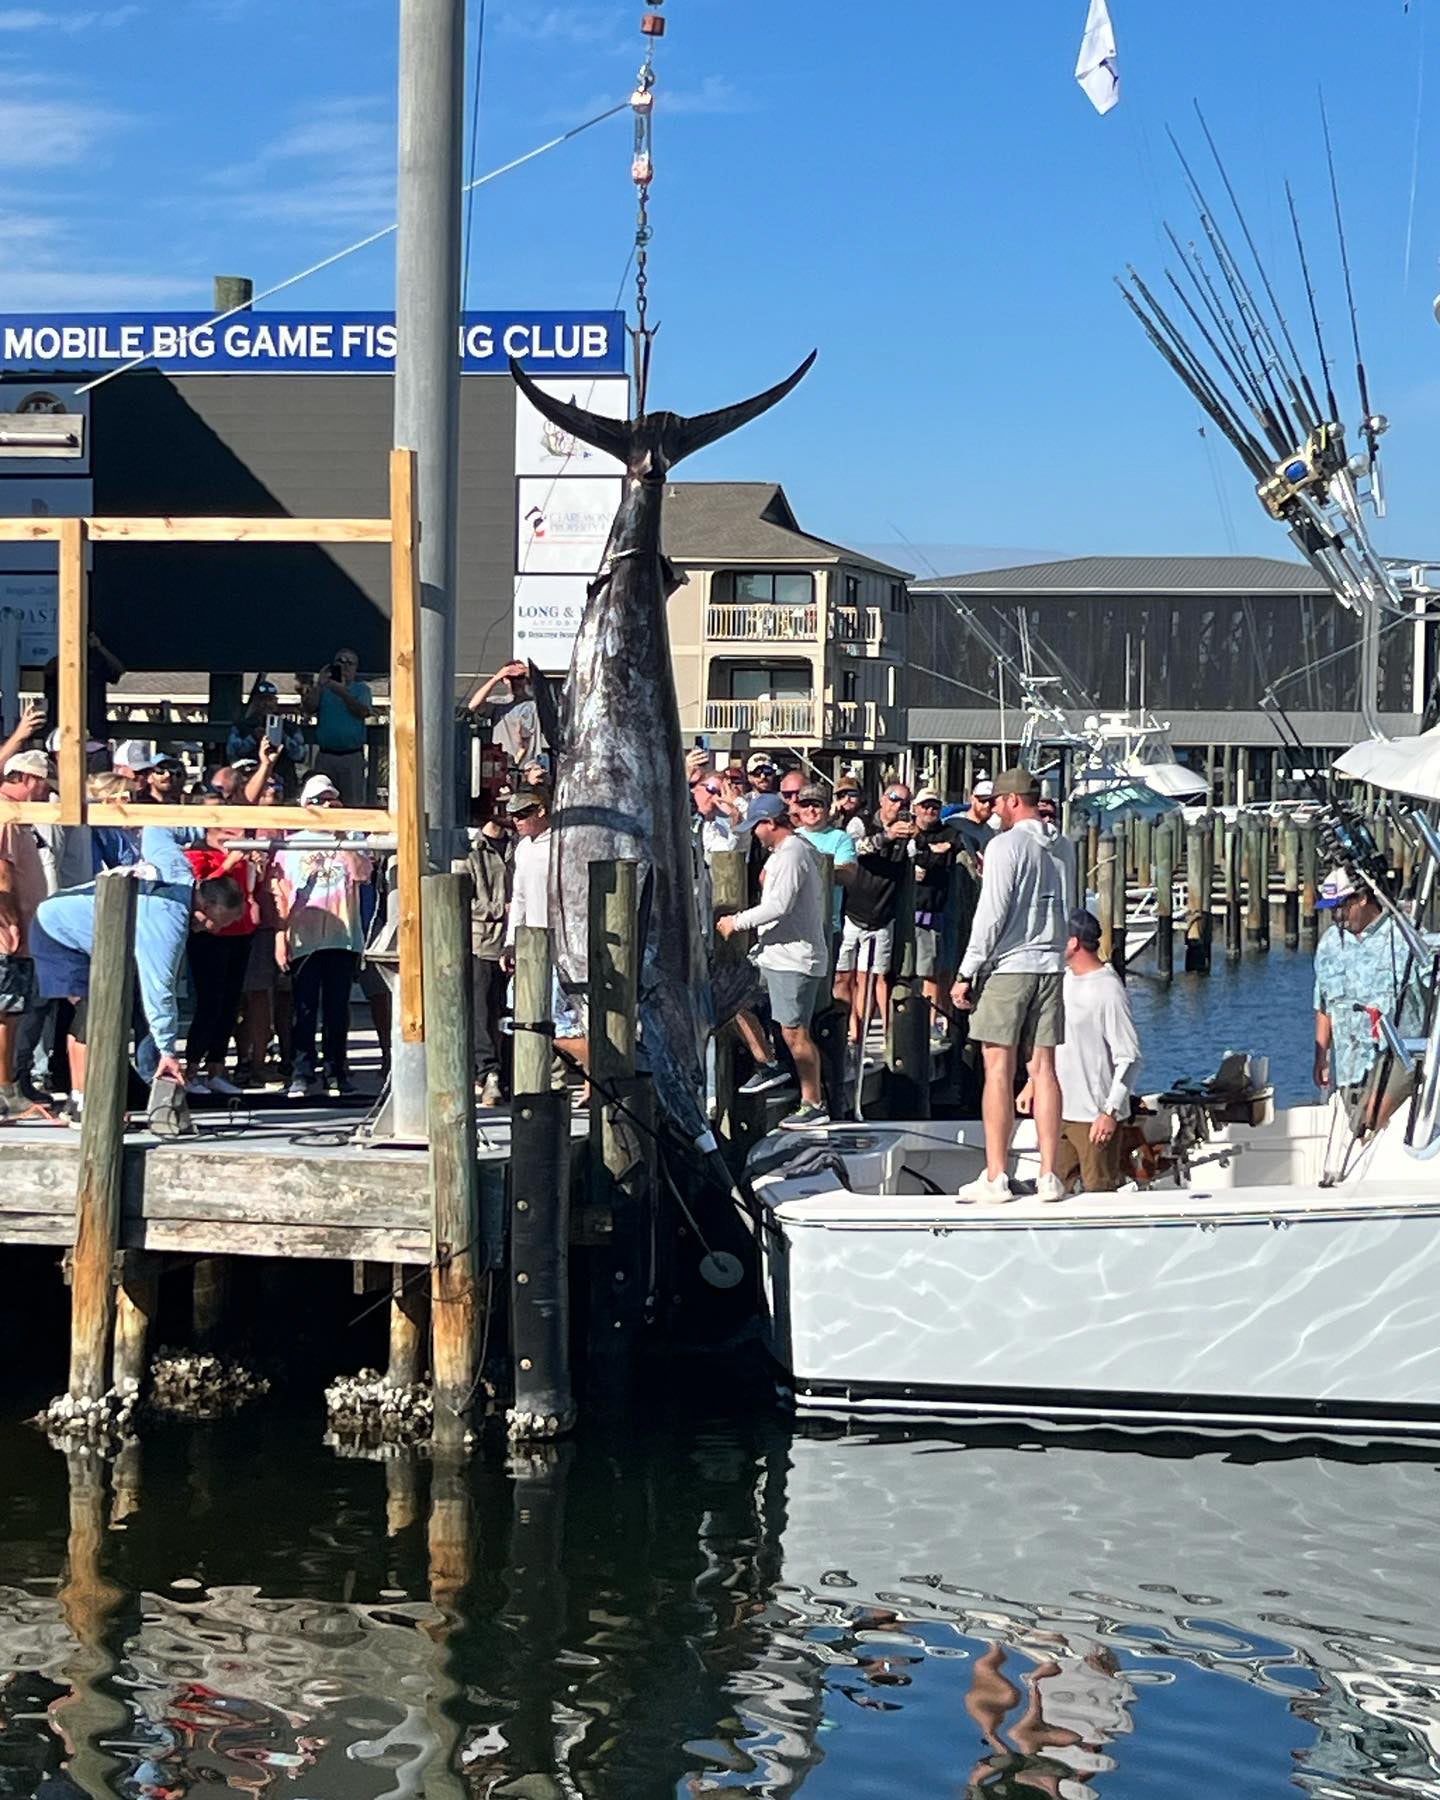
{"x": 857, "y": 625}
{"x": 768, "y": 717}
{"x": 762, "y": 624}
{"x": 855, "y": 721}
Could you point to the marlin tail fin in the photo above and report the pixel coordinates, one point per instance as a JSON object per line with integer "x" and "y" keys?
{"x": 670, "y": 435}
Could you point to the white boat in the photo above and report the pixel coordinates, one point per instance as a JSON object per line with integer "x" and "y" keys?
{"x": 1255, "y": 1283}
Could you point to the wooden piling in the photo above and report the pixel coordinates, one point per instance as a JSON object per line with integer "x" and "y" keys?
{"x": 1119, "y": 899}
{"x": 1080, "y": 839}
{"x": 1106, "y": 880}
{"x": 1309, "y": 859}
{"x": 1165, "y": 898}
{"x": 138, "y": 1295}
{"x": 540, "y": 1209}
{"x": 1290, "y": 865}
{"x": 622, "y": 1144}
{"x": 409, "y": 1326}
{"x": 1263, "y": 860}
{"x": 1254, "y": 890}
{"x": 907, "y": 1057}
{"x": 102, "y": 1134}
{"x": 1199, "y": 853}
{"x": 1234, "y": 890}
{"x": 454, "y": 1177}
{"x": 728, "y": 894}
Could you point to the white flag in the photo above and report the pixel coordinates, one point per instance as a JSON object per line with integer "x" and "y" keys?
{"x": 1098, "y": 69}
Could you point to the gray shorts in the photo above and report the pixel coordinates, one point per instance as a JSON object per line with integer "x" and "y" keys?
{"x": 1020, "y": 1012}
{"x": 927, "y": 952}
{"x": 793, "y": 997}
{"x": 261, "y": 969}
{"x": 865, "y": 947}
{"x": 18, "y": 992}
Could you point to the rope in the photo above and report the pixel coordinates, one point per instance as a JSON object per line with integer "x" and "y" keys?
{"x": 362, "y": 243}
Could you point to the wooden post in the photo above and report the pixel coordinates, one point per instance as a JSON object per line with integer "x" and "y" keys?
{"x": 1262, "y": 860}
{"x": 74, "y": 659}
{"x": 907, "y": 1080}
{"x": 1234, "y": 884}
{"x": 1291, "y": 867}
{"x": 134, "y": 1314}
{"x": 622, "y": 1147}
{"x": 728, "y": 894}
{"x": 1308, "y": 864}
{"x": 1105, "y": 880}
{"x": 540, "y": 1221}
{"x": 211, "y": 1279}
{"x": 1165, "y": 898}
{"x": 1254, "y": 888}
{"x": 102, "y": 1138}
{"x": 407, "y": 772}
{"x": 1119, "y": 900}
{"x": 1092, "y": 847}
{"x": 1197, "y": 927}
{"x": 1080, "y": 838}
{"x": 409, "y": 1326}
{"x": 454, "y": 1175}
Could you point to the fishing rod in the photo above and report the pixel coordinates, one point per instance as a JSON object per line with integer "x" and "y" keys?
{"x": 1219, "y": 356}
{"x": 1372, "y": 424}
{"x": 1280, "y": 318}
{"x": 1248, "y": 395}
{"x": 1330, "y": 399}
{"x": 1250, "y": 316}
{"x": 1195, "y": 266}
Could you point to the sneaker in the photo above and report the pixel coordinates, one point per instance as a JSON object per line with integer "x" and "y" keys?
{"x": 1050, "y": 1188}
{"x": 12, "y": 1102}
{"x": 199, "y": 1084}
{"x": 70, "y": 1113}
{"x": 343, "y": 1087}
{"x": 761, "y": 1082}
{"x": 34, "y": 1095}
{"x": 490, "y": 1091}
{"x": 809, "y": 1115}
{"x": 316, "y": 1088}
{"x": 298, "y": 1089}
{"x": 225, "y": 1088}
{"x": 939, "y": 1037}
{"x": 245, "y": 1076}
{"x": 983, "y": 1188}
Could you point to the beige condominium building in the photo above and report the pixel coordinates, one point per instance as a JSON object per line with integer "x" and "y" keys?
{"x": 781, "y": 640}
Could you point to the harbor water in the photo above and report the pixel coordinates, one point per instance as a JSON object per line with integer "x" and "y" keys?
{"x": 711, "y": 1598}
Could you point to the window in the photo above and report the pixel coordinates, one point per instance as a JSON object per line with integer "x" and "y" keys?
{"x": 792, "y": 683}
{"x": 852, "y": 590}
{"x": 899, "y": 597}
{"x": 764, "y": 587}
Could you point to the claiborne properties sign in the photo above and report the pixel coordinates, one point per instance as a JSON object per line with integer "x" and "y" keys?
{"x": 257, "y": 343}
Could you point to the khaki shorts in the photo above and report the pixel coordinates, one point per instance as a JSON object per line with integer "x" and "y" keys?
{"x": 1020, "y": 1012}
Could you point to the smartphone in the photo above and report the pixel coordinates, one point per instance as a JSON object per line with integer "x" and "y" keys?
{"x": 905, "y": 816}
{"x": 336, "y": 672}
{"x": 274, "y": 732}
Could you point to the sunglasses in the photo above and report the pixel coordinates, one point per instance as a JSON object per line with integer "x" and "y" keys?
{"x": 904, "y": 799}
{"x": 525, "y": 812}
{"x": 928, "y": 805}
{"x": 789, "y": 793}
{"x": 811, "y": 805}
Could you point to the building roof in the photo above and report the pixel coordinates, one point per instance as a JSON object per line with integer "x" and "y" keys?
{"x": 1246, "y": 726}
{"x": 1138, "y": 575}
{"x": 748, "y": 522}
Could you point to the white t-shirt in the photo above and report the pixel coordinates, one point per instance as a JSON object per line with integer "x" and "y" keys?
{"x": 1101, "y": 1054}
{"x": 530, "y": 885}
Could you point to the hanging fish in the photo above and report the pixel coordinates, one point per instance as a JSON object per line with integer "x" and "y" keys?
{"x": 621, "y": 791}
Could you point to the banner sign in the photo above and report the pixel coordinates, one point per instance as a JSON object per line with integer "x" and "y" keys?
{"x": 266, "y": 343}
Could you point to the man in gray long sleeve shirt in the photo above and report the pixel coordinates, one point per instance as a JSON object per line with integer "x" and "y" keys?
{"x": 1097, "y": 1064}
{"x": 1016, "y": 957}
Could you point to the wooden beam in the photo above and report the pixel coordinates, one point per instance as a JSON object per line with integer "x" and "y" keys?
{"x": 239, "y": 531}
{"x": 73, "y": 661}
{"x": 407, "y": 767}
{"x": 31, "y": 531}
{"x": 243, "y": 818}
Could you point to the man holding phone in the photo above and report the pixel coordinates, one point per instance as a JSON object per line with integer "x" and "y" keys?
{"x": 341, "y": 705}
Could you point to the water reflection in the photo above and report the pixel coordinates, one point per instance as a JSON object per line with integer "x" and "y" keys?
{"x": 715, "y": 1609}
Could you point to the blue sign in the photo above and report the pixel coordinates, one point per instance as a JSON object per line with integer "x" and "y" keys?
{"x": 275, "y": 343}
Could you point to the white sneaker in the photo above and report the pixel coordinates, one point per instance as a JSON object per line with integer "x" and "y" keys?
{"x": 221, "y": 1084}
{"x": 983, "y": 1188}
{"x": 199, "y": 1084}
{"x": 1050, "y": 1188}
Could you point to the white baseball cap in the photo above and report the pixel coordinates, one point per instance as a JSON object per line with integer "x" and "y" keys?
{"x": 137, "y": 754}
{"x": 316, "y": 788}
{"x": 984, "y": 790}
{"x": 52, "y": 743}
{"x": 30, "y": 762}
{"x": 1336, "y": 886}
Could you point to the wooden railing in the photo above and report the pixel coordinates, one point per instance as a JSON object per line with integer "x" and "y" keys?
{"x": 857, "y": 624}
{"x": 768, "y": 717}
{"x": 762, "y": 623}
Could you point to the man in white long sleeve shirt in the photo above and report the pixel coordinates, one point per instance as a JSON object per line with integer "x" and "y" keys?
{"x": 793, "y": 958}
{"x": 1097, "y": 1064}
{"x": 530, "y": 905}
{"x": 1015, "y": 959}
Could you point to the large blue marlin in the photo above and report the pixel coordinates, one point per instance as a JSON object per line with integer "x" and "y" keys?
{"x": 621, "y": 790}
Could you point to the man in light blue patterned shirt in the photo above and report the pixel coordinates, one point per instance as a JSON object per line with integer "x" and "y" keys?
{"x": 1362, "y": 967}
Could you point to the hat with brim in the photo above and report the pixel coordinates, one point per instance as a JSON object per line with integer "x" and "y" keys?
{"x": 1334, "y": 889}
{"x": 318, "y": 787}
{"x": 522, "y": 800}
{"x": 760, "y": 762}
{"x": 983, "y": 790}
{"x": 1021, "y": 783}
{"x": 135, "y": 754}
{"x": 927, "y": 797}
{"x": 30, "y": 762}
{"x": 1084, "y": 927}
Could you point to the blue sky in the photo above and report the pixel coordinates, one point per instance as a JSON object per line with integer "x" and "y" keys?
{"x": 921, "y": 191}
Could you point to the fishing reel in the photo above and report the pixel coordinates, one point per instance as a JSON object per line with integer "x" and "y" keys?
{"x": 1310, "y": 469}
{"x": 1346, "y": 841}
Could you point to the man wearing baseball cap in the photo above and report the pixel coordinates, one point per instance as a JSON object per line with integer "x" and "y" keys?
{"x": 26, "y": 776}
{"x": 974, "y": 825}
{"x": 1096, "y": 1064}
{"x": 1011, "y": 979}
{"x": 1363, "y": 970}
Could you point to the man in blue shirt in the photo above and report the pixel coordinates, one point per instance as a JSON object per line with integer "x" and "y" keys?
{"x": 1363, "y": 968}
{"x": 341, "y": 705}
{"x": 810, "y": 810}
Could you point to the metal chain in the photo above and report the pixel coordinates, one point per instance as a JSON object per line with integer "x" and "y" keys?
{"x": 642, "y": 171}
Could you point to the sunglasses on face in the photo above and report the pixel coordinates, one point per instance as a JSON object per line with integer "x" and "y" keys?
{"x": 928, "y": 805}
{"x": 526, "y": 812}
{"x": 811, "y": 805}
{"x": 901, "y": 799}
{"x": 789, "y": 793}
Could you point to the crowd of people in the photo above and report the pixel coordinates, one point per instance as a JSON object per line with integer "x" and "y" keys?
{"x": 258, "y": 942}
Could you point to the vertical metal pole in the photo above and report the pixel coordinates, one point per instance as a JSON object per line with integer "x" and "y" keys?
{"x": 1119, "y": 899}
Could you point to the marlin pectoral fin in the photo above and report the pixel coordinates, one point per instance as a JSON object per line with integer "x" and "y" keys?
{"x": 610, "y": 435}
{"x": 547, "y": 694}
{"x": 689, "y": 435}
